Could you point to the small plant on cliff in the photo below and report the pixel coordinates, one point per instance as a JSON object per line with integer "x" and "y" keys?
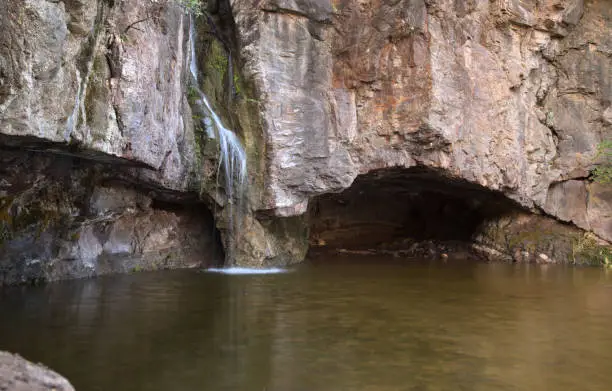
{"x": 603, "y": 172}
{"x": 192, "y": 6}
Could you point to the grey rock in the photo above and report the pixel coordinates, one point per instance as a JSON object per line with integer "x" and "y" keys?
{"x": 116, "y": 76}
{"x": 64, "y": 217}
{"x": 568, "y": 201}
{"x": 18, "y": 374}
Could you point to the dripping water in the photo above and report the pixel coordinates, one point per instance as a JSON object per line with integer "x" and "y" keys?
{"x": 232, "y": 157}
{"x": 73, "y": 119}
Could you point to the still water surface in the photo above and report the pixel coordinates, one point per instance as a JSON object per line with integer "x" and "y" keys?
{"x": 352, "y": 324}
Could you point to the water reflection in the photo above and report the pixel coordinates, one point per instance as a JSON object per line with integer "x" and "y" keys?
{"x": 351, "y": 324}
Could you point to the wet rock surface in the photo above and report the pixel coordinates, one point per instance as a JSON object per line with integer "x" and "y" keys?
{"x": 70, "y": 218}
{"x": 18, "y": 374}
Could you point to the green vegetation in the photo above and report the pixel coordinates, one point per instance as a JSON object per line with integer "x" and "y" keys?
{"x": 586, "y": 250}
{"x": 75, "y": 236}
{"x": 33, "y": 219}
{"x": 603, "y": 172}
{"x": 192, "y": 6}
{"x": 192, "y": 94}
{"x": 237, "y": 84}
{"x": 218, "y": 59}
{"x": 137, "y": 269}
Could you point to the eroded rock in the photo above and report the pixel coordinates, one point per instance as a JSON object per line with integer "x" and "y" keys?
{"x": 18, "y": 374}
{"x": 512, "y": 96}
{"x": 103, "y": 78}
{"x": 70, "y": 218}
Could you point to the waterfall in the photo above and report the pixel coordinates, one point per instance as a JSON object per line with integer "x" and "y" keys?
{"x": 73, "y": 119}
{"x": 232, "y": 157}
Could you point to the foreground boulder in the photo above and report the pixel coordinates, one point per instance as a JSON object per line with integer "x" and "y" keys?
{"x": 18, "y": 374}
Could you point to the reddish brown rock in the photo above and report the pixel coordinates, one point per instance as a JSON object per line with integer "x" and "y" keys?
{"x": 508, "y": 95}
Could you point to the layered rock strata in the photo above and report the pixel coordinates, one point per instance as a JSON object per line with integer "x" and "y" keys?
{"x": 511, "y": 96}
{"x": 103, "y": 158}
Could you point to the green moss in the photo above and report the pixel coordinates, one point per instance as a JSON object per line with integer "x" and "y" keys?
{"x": 603, "y": 172}
{"x": 137, "y": 269}
{"x": 218, "y": 58}
{"x": 215, "y": 70}
{"x": 237, "y": 83}
{"x": 33, "y": 218}
{"x": 192, "y": 95}
{"x": 532, "y": 240}
{"x": 237, "y": 108}
{"x": 75, "y": 236}
{"x": 96, "y": 99}
{"x": 194, "y": 180}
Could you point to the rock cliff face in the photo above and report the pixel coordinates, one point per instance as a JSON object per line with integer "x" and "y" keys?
{"x": 105, "y": 166}
{"x": 513, "y": 96}
{"x": 102, "y": 77}
{"x": 100, "y": 167}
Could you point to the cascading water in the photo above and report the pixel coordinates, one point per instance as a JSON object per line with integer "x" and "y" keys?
{"x": 232, "y": 156}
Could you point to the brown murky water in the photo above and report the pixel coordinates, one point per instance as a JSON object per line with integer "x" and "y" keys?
{"x": 350, "y": 324}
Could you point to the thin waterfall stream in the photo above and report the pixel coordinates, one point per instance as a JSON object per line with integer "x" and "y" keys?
{"x": 232, "y": 156}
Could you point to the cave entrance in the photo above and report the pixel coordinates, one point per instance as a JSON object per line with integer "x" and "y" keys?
{"x": 399, "y": 209}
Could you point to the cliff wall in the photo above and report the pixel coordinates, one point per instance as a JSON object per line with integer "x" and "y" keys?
{"x": 511, "y": 95}
{"x": 105, "y": 167}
